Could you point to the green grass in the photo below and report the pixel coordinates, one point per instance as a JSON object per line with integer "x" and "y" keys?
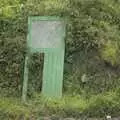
{"x": 77, "y": 106}
{"x": 69, "y": 106}
{"x": 12, "y": 108}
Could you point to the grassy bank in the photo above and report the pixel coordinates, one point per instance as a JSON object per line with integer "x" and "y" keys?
{"x": 69, "y": 106}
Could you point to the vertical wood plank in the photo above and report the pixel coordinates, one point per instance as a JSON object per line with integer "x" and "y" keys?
{"x": 53, "y": 74}
{"x": 25, "y": 82}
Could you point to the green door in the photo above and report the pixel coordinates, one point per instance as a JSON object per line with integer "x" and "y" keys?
{"x": 53, "y": 73}
{"x": 46, "y": 35}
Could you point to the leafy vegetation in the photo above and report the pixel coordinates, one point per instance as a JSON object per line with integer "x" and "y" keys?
{"x": 92, "y": 61}
{"x": 69, "y": 106}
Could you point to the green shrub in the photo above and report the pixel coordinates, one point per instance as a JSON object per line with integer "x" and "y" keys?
{"x": 11, "y": 64}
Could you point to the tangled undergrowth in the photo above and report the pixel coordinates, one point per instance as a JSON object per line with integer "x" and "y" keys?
{"x": 92, "y": 52}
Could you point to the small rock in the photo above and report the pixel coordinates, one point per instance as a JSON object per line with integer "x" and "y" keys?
{"x": 108, "y": 117}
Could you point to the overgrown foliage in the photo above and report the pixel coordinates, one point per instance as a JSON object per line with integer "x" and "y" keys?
{"x": 69, "y": 106}
{"x": 92, "y": 41}
{"x": 92, "y": 60}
